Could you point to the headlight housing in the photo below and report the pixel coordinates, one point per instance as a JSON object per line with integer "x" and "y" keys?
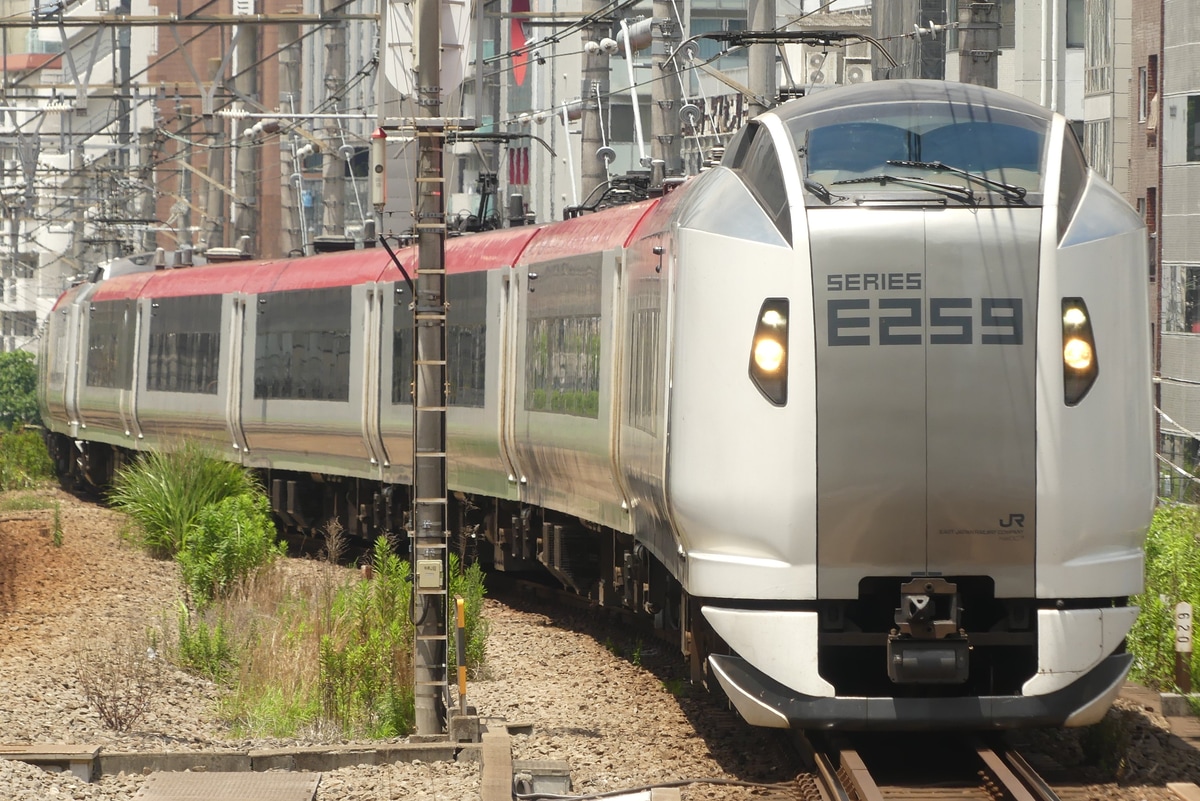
{"x": 769, "y": 351}
{"x": 1080, "y": 363}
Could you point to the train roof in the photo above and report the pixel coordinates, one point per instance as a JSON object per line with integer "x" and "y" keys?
{"x": 913, "y": 91}
{"x": 606, "y": 230}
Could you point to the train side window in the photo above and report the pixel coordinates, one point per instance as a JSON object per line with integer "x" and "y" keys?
{"x": 1072, "y": 179}
{"x": 758, "y": 163}
{"x": 466, "y": 338}
{"x": 185, "y": 345}
{"x": 110, "y": 345}
{"x": 302, "y": 345}
{"x": 402, "y": 349}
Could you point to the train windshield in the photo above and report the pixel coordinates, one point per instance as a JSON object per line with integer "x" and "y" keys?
{"x": 970, "y": 151}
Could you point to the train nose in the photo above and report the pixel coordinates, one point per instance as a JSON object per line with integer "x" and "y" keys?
{"x": 925, "y": 359}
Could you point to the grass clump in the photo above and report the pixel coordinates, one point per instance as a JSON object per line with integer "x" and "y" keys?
{"x": 467, "y": 583}
{"x": 1172, "y": 575}
{"x": 204, "y": 648}
{"x": 324, "y": 651}
{"x": 227, "y": 542}
{"x": 24, "y": 460}
{"x": 165, "y": 491}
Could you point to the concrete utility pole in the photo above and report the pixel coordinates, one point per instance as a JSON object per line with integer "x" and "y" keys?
{"x": 246, "y": 83}
{"x": 291, "y": 228}
{"x": 333, "y": 181}
{"x": 762, "y": 77}
{"x": 212, "y": 228}
{"x": 184, "y": 229}
{"x": 429, "y": 370}
{"x": 593, "y": 168}
{"x": 666, "y": 143}
{"x": 978, "y": 43}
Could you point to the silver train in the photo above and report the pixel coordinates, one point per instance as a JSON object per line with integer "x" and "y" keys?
{"x": 862, "y": 416}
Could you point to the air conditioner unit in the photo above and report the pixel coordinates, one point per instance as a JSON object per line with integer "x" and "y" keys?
{"x": 858, "y": 70}
{"x": 820, "y": 65}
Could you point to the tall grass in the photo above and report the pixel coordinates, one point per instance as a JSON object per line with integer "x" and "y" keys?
{"x": 319, "y": 651}
{"x": 163, "y": 492}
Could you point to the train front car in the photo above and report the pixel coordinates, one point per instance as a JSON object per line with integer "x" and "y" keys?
{"x": 911, "y": 462}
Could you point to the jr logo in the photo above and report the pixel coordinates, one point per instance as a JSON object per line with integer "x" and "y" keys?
{"x": 1017, "y": 521}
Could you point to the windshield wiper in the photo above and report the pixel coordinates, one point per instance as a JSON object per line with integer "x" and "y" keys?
{"x": 950, "y": 190}
{"x": 1007, "y": 191}
{"x": 817, "y": 188}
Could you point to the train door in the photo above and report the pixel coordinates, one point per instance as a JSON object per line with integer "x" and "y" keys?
{"x": 234, "y": 346}
{"x": 509, "y": 374}
{"x": 75, "y": 339}
{"x": 372, "y": 334}
{"x": 566, "y": 387}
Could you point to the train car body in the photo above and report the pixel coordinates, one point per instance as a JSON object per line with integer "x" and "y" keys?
{"x": 861, "y": 416}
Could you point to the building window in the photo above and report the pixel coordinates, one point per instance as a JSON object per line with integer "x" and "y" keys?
{"x": 1191, "y": 300}
{"x": 1076, "y": 17}
{"x": 1097, "y": 73}
{"x": 1143, "y": 94}
{"x": 1193, "y": 128}
{"x": 1098, "y": 146}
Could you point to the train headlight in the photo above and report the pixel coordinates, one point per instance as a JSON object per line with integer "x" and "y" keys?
{"x": 1080, "y": 366}
{"x": 768, "y": 352}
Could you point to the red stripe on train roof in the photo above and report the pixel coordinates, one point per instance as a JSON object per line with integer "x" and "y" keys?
{"x": 604, "y": 230}
{"x": 122, "y": 287}
{"x": 487, "y": 251}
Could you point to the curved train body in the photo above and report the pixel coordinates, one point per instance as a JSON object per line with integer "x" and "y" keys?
{"x": 862, "y": 416}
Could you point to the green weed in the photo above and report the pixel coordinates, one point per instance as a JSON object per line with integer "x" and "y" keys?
{"x": 164, "y": 491}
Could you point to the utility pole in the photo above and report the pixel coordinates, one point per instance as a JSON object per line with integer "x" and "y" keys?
{"x": 666, "y": 143}
{"x": 763, "y": 81}
{"x": 978, "y": 43}
{"x": 291, "y": 228}
{"x": 212, "y": 232}
{"x": 333, "y": 181}
{"x": 186, "y": 121}
{"x": 593, "y": 164}
{"x": 246, "y": 83}
{"x": 429, "y": 370}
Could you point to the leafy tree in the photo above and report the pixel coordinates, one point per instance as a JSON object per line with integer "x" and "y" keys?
{"x": 18, "y": 388}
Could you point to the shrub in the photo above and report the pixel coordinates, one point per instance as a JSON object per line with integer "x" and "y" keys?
{"x": 18, "y": 388}
{"x": 204, "y": 649}
{"x": 468, "y": 584}
{"x": 366, "y": 657}
{"x": 1172, "y": 575}
{"x": 24, "y": 461}
{"x": 164, "y": 491}
{"x": 119, "y": 679}
{"x": 227, "y": 542}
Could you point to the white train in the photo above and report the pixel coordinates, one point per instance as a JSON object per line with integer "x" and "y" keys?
{"x": 862, "y": 416}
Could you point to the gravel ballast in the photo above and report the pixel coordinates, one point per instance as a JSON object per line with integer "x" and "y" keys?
{"x": 605, "y": 698}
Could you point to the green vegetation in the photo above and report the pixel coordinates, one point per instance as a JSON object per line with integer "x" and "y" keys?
{"x": 468, "y": 585}
{"x": 25, "y": 502}
{"x": 1172, "y": 575}
{"x": 228, "y": 541}
{"x": 24, "y": 461}
{"x": 331, "y": 654}
{"x": 164, "y": 492}
{"x": 18, "y": 389}
{"x": 302, "y": 648}
{"x": 204, "y": 648}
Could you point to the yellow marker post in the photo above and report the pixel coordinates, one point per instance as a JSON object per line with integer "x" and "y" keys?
{"x": 460, "y": 651}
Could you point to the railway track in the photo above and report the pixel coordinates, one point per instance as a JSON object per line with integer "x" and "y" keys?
{"x": 916, "y": 768}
